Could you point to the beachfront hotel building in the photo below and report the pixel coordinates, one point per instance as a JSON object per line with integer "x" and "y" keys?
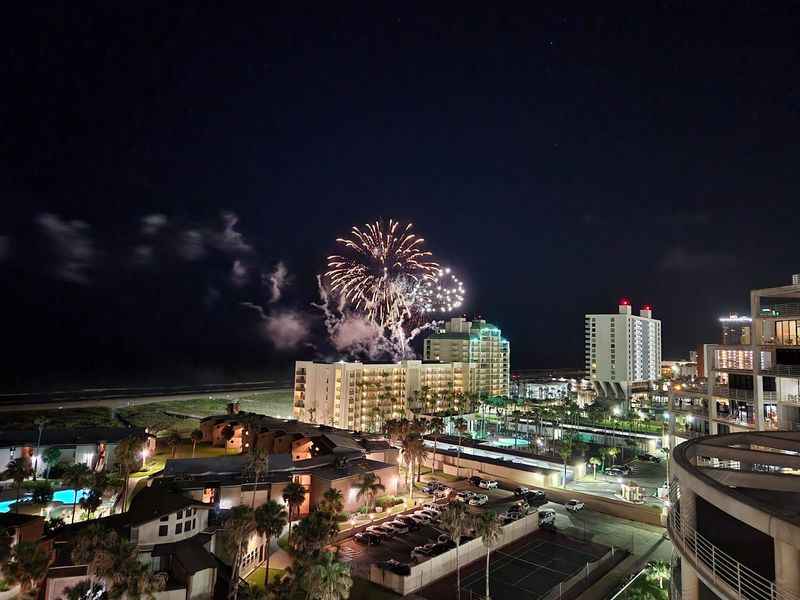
{"x": 477, "y": 343}
{"x": 360, "y": 396}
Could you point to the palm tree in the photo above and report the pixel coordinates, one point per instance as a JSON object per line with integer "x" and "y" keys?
{"x": 127, "y": 456}
{"x": 270, "y": 520}
{"x": 27, "y": 567}
{"x": 294, "y": 495}
{"x": 329, "y": 579}
{"x": 565, "y": 452}
{"x": 612, "y": 453}
{"x": 490, "y": 531}
{"x": 76, "y": 477}
{"x": 17, "y": 470}
{"x": 461, "y": 428}
{"x": 173, "y": 441}
{"x": 40, "y": 422}
{"x": 51, "y": 457}
{"x": 332, "y": 501}
{"x": 594, "y": 461}
{"x": 5, "y": 544}
{"x": 435, "y": 428}
{"x": 91, "y": 501}
{"x": 41, "y": 492}
{"x": 85, "y": 589}
{"x": 312, "y": 534}
{"x": 197, "y": 436}
{"x": 228, "y": 433}
{"x": 368, "y": 486}
{"x": 258, "y": 465}
{"x": 238, "y": 524}
{"x": 658, "y": 571}
{"x": 454, "y": 521}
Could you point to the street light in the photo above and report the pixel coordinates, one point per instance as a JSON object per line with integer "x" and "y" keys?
{"x": 145, "y": 454}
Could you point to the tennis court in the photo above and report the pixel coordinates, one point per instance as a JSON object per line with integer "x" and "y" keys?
{"x": 526, "y": 570}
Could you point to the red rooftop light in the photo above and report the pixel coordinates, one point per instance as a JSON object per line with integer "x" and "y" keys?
{"x": 624, "y": 302}
{"x": 647, "y": 307}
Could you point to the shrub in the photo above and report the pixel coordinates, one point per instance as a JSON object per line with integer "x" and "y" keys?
{"x": 341, "y": 517}
{"x": 283, "y": 542}
{"x": 388, "y": 501}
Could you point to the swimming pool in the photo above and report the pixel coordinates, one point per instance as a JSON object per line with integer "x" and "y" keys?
{"x": 64, "y": 496}
{"x": 508, "y": 442}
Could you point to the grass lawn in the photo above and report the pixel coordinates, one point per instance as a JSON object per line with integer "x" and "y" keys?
{"x": 91, "y": 416}
{"x": 273, "y": 403}
{"x": 256, "y": 578}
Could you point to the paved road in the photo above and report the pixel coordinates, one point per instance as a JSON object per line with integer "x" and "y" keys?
{"x": 648, "y": 475}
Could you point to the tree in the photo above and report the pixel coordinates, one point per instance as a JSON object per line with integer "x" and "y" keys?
{"x": 197, "y": 436}
{"x": 18, "y": 470}
{"x": 258, "y": 465}
{"x": 565, "y": 452}
{"x": 173, "y": 441}
{"x": 658, "y": 570}
{"x": 294, "y": 495}
{"x": 5, "y": 544}
{"x": 436, "y": 429}
{"x": 454, "y": 521}
{"x": 76, "y": 477}
{"x": 40, "y": 422}
{"x": 368, "y": 487}
{"x": 461, "y": 428}
{"x": 91, "y": 501}
{"x": 86, "y": 589}
{"x": 127, "y": 456}
{"x": 332, "y": 501}
{"x": 27, "y": 566}
{"x": 594, "y": 461}
{"x": 612, "y": 453}
{"x": 312, "y": 534}
{"x": 51, "y": 457}
{"x": 631, "y": 444}
{"x": 239, "y": 523}
{"x": 329, "y": 579}
{"x": 489, "y": 529}
{"x": 228, "y": 433}
{"x": 270, "y": 519}
{"x": 41, "y": 492}
{"x": 114, "y": 560}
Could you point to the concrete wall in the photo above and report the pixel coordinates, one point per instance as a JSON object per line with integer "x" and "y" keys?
{"x": 440, "y": 566}
{"x": 147, "y": 533}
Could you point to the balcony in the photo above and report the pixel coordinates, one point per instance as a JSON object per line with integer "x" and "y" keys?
{"x": 731, "y": 577}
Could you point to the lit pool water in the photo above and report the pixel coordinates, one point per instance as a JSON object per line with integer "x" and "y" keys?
{"x": 64, "y": 496}
{"x": 507, "y": 442}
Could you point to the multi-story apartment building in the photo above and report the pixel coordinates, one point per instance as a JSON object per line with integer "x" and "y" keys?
{"x": 623, "y": 352}
{"x": 478, "y": 343}
{"x": 361, "y": 396}
{"x": 734, "y": 518}
{"x": 753, "y": 375}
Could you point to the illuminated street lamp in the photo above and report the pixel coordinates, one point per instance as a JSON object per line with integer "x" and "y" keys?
{"x": 145, "y": 454}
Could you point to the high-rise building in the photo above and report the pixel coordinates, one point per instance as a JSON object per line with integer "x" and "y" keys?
{"x": 478, "y": 343}
{"x": 361, "y": 396}
{"x": 623, "y": 352}
{"x": 753, "y": 375}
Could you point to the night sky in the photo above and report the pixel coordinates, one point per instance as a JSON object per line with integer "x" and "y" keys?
{"x": 159, "y": 162}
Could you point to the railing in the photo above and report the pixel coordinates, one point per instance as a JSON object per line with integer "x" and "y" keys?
{"x": 738, "y": 580}
{"x": 780, "y": 310}
{"x": 791, "y": 370}
{"x": 792, "y": 399}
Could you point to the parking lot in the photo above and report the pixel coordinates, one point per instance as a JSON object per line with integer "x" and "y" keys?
{"x": 399, "y": 546}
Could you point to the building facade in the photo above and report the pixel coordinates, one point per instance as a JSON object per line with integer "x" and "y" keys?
{"x": 623, "y": 352}
{"x": 734, "y": 517}
{"x": 361, "y": 396}
{"x": 477, "y": 343}
{"x": 753, "y": 379}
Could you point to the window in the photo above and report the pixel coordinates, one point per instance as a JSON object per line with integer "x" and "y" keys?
{"x": 163, "y": 530}
{"x": 180, "y": 514}
{"x": 165, "y": 518}
{"x": 194, "y": 523}
{"x": 178, "y": 528}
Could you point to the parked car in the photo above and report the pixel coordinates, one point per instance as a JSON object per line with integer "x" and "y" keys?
{"x": 547, "y": 517}
{"x": 521, "y": 508}
{"x": 421, "y": 552}
{"x": 649, "y": 458}
{"x": 395, "y": 566}
{"x": 418, "y": 519}
{"x": 535, "y": 498}
{"x": 388, "y": 530}
{"x": 432, "y": 486}
{"x": 475, "y": 480}
{"x": 443, "y": 538}
{"x": 488, "y": 484}
{"x": 410, "y": 522}
{"x": 443, "y": 547}
{"x": 521, "y": 491}
{"x": 442, "y": 492}
{"x": 618, "y": 471}
{"x": 573, "y": 505}
{"x": 464, "y": 496}
{"x": 376, "y": 530}
{"x": 434, "y": 508}
{"x": 422, "y": 516}
{"x": 478, "y": 500}
{"x": 398, "y": 526}
{"x": 368, "y": 539}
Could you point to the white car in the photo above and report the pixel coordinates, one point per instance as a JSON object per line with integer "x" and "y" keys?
{"x": 442, "y": 492}
{"x": 464, "y": 496}
{"x": 573, "y": 505}
{"x": 380, "y": 532}
{"x": 547, "y": 517}
{"x": 479, "y": 500}
{"x": 431, "y": 514}
{"x": 425, "y": 517}
{"x": 432, "y": 508}
{"x": 488, "y": 484}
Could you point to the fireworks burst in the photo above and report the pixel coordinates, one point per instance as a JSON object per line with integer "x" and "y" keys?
{"x": 383, "y": 266}
{"x": 442, "y": 294}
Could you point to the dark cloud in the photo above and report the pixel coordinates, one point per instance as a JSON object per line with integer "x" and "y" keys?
{"x": 679, "y": 258}
{"x": 152, "y": 224}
